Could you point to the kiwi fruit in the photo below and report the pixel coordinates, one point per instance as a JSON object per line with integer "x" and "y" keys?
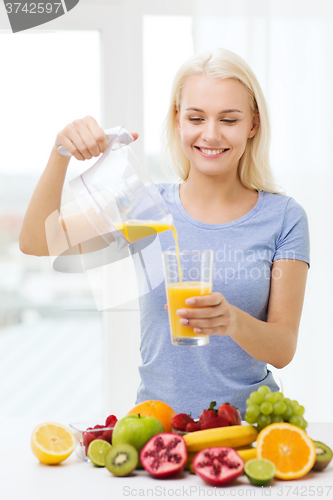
{"x": 324, "y": 456}
{"x": 121, "y": 459}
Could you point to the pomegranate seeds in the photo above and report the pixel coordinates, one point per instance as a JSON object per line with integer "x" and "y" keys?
{"x": 219, "y": 465}
{"x": 164, "y": 455}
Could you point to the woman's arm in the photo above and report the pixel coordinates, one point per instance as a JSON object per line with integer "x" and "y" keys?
{"x": 45, "y": 200}
{"x": 84, "y": 139}
{"x": 274, "y": 341}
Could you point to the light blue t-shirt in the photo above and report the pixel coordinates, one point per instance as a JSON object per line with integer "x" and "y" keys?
{"x": 189, "y": 378}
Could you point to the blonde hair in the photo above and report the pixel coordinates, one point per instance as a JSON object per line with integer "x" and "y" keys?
{"x": 254, "y": 169}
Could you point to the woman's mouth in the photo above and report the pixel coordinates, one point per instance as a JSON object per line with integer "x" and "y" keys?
{"x": 211, "y": 153}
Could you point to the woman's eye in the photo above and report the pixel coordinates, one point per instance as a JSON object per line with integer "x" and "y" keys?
{"x": 198, "y": 120}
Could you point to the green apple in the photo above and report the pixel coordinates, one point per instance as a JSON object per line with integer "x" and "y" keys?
{"x": 136, "y": 430}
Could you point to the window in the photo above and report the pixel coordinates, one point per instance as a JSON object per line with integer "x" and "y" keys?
{"x": 48, "y": 320}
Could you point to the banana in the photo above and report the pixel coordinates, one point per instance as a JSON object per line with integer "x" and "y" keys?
{"x": 233, "y": 436}
{"x": 190, "y": 458}
{"x": 247, "y": 454}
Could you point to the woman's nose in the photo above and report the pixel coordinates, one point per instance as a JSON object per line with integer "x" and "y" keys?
{"x": 211, "y": 132}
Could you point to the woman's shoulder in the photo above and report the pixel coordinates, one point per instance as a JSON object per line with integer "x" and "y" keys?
{"x": 167, "y": 189}
{"x": 286, "y": 214}
{"x": 165, "y": 186}
{"x": 282, "y": 203}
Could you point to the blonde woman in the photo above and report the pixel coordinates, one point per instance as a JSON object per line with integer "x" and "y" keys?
{"x": 217, "y": 135}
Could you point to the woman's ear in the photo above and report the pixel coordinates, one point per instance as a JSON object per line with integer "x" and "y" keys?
{"x": 255, "y": 125}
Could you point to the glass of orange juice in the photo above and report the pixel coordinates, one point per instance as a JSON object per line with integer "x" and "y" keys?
{"x": 187, "y": 274}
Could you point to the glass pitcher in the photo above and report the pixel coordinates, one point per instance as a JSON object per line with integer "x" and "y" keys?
{"x": 117, "y": 196}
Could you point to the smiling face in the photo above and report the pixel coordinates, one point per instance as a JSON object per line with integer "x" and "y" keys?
{"x": 215, "y": 122}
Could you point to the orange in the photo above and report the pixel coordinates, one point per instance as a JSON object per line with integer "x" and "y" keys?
{"x": 289, "y": 448}
{"x": 52, "y": 443}
{"x": 156, "y": 409}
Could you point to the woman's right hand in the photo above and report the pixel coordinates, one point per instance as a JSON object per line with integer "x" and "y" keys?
{"x": 84, "y": 138}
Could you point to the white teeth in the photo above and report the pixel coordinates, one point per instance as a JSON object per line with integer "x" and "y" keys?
{"x": 212, "y": 151}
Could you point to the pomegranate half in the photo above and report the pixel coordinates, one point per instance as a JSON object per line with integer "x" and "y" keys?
{"x": 219, "y": 465}
{"x": 164, "y": 455}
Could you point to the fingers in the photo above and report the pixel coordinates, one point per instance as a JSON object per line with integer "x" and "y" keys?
{"x": 208, "y": 320}
{"x": 202, "y": 323}
{"x": 202, "y": 312}
{"x": 83, "y": 138}
{"x": 213, "y": 299}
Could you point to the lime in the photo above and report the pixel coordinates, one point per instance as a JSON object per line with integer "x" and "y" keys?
{"x": 97, "y": 450}
{"x": 259, "y": 471}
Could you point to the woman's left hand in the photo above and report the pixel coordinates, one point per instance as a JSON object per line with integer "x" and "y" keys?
{"x": 209, "y": 315}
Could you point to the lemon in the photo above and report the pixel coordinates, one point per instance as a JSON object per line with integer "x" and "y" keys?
{"x": 52, "y": 443}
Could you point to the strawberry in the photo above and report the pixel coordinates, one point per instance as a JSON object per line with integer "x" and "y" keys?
{"x": 192, "y": 427}
{"x": 231, "y": 413}
{"x": 180, "y": 421}
{"x": 111, "y": 421}
{"x": 87, "y": 437}
{"x": 106, "y": 436}
{"x": 215, "y": 422}
{"x": 209, "y": 414}
{"x": 97, "y": 434}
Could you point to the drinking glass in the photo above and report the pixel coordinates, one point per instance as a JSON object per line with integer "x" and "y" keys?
{"x": 196, "y": 270}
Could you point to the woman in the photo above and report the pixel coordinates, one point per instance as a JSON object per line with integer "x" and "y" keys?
{"x": 217, "y": 133}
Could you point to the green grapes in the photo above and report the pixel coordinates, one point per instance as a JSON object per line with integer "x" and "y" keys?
{"x": 295, "y": 420}
{"x": 263, "y": 389}
{"x": 256, "y": 398}
{"x": 299, "y": 410}
{"x": 277, "y": 419}
{"x": 265, "y": 407}
{"x": 253, "y": 411}
{"x": 279, "y": 408}
{"x": 272, "y": 397}
{"x": 287, "y": 414}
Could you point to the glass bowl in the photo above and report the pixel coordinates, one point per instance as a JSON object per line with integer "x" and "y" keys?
{"x": 85, "y": 432}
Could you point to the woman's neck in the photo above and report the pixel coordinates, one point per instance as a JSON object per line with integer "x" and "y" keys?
{"x": 213, "y": 190}
{"x": 215, "y": 201}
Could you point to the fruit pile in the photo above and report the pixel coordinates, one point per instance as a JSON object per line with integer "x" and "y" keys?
{"x": 218, "y": 449}
{"x": 265, "y": 407}
{"x": 226, "y": 415}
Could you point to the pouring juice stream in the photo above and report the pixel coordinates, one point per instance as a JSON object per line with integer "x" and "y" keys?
{"x": 135, "y": 230}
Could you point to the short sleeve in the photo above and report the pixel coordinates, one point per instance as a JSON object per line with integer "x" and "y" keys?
{"x": 294, "y": 240}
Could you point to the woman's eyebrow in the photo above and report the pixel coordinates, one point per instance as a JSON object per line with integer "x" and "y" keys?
{"x": 224, "y": 111}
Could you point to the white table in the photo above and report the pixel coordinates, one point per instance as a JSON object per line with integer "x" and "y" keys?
{"x": 22, "y": 477}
